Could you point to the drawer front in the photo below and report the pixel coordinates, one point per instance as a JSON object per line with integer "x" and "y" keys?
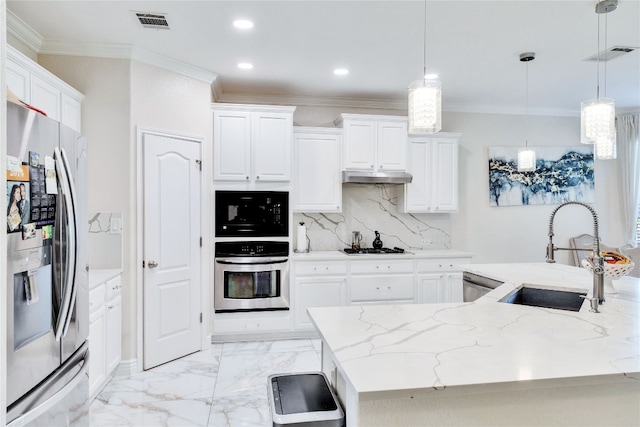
{"x": 441, "y": 264}
{"x": 321, "y": 267}
{"x": 113, "y": 287}
{"x": 382, "y": 266}
{"x": 96, "y": 298}
{"x": 382, "y": 288}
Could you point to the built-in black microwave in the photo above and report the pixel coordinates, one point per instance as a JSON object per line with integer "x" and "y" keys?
{"x": 251, "y": 213}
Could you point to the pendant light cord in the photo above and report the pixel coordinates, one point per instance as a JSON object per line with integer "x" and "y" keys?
{"x": 424, "y": 53}
{"x": 526, "y": 108}
{"x": 606, "y": 29}
{"x": 598, "y": 63}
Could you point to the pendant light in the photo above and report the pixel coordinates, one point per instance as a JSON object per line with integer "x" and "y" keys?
{"x": 597, "y": 116}
{"x": 425, "y": 97}
{"x": 526, "y": 155}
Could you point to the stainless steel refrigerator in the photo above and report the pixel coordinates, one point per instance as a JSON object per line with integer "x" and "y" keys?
{"x": 47, "y": 317}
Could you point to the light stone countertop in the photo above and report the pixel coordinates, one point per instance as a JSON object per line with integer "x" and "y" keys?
{"x": 398, "y": 350}
{"x": 97, "y": 276}
{"x": 421, "y": 253}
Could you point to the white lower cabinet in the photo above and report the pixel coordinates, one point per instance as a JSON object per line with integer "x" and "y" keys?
{"x": 97, "y": 341}
{"x": 387, "y": 289}
{"x": 105, "y": 332}
{"x": 370, "y": 281}
{"x": 380, "y": 282}
{"x": 440, "y": 280}
{"x": 318, "y": 284}
{"x": 251, "y": 322}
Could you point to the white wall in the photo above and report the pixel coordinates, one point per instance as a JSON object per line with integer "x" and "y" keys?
{"x": 106, "y": 122}
{"x": 520, "y": 233}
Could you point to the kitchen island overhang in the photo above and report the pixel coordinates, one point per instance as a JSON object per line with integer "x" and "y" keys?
{"x": 403, "y": 359}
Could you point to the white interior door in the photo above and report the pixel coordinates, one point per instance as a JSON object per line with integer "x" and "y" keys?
{"x": 172, "y": 317}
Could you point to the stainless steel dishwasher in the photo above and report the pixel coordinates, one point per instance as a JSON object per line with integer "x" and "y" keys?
{"x": 475, "y": 286}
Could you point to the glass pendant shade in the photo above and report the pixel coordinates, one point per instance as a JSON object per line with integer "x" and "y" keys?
{"x": 605, "y": 147}
{"x": 526, "y": 160}
{"x": 597, "y": 120}
{"x": 424, "y": 107}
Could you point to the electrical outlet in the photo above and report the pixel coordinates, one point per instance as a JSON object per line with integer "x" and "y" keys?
{"x": 115, "y": 226}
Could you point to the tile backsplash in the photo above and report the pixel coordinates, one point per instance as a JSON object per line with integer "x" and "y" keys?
{"x": 370, "y": 207}
{"x": 105, "y": 240}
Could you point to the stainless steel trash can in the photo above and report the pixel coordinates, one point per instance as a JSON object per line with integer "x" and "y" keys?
{"x": 303, "y": 399}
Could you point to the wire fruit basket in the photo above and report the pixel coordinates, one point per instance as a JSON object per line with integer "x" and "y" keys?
{"x": 611, "y": 272}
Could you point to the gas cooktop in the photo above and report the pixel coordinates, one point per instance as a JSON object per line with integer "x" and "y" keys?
{"x": 367, "y": 251}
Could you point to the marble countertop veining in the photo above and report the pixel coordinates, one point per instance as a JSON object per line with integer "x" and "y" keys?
{"x": 391, "y": 349}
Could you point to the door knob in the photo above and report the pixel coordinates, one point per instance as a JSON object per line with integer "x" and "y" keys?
{"x": 152, "y": 264}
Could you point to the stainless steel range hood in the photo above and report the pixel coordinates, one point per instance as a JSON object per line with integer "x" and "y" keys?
{"x": 364, "y": 177}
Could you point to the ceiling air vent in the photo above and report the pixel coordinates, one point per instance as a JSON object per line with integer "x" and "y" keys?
{"x": 611, "y": 53}
{"x": 153, "y": 20}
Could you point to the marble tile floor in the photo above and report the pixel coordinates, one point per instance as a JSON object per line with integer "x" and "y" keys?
{"x": 225, "y": 385}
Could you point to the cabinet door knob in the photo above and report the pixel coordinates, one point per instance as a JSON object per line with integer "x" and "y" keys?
{"x": 152, "y": 264}
{"x": 247, "y": 178}
{"x": 258, "y": 177}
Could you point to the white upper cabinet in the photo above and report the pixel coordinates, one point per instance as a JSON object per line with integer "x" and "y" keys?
{"x": 374, "y": 142}
{"x": 317, "y": 184}
{"x": 433, "y": 162}
{"x": 252, "y": 143}
{"x": 39, "y": 88}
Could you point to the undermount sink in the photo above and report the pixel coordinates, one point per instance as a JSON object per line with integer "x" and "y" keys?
{"x": 548, "y": 298}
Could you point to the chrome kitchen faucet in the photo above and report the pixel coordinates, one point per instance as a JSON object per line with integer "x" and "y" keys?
{"x": 596, "y": 262}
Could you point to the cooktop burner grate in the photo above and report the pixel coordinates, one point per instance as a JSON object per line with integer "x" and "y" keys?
{"x": 366, "y": 251}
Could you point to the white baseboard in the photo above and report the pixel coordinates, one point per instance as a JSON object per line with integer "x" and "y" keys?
{"x": 126, "y": 368}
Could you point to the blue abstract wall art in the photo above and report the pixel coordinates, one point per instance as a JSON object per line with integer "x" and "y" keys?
{"x": 562, "y": 174}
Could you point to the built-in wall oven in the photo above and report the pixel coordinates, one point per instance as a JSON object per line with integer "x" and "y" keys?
{"x": 251, "y": 276}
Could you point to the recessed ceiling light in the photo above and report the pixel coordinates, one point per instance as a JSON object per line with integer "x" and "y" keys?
{"x": 245, "y": 65}
{"x": 243, "y": 24}
{"x": 430, "y": 76}
{"x": 340, "y": 71}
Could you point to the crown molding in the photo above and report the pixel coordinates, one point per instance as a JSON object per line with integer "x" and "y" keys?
{"x": 98, "y": 50}
{"x": 299, "y": 100}
{"x": 627, "y": 110}
{"x": 183, "y": 68}
{"x": 23, "y": 32}
{"x": 124, "y": 51}
{"x": 506, "y": 110}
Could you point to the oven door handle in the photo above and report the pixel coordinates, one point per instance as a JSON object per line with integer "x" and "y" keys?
{"x": 251, "y": 261}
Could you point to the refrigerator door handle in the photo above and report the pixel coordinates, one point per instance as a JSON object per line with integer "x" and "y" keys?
{"x": 68, "y": 295}
{"x": 31, "y": 406}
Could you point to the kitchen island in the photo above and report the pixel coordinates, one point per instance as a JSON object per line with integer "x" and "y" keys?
{"x": 488, "y": 362}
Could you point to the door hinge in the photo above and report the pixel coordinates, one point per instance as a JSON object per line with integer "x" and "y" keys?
{"x": 200, "y": 317}
{"x": 200, "y": 241}
{"x": 199, "y": 163}
{"x": 143, "y": 266}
